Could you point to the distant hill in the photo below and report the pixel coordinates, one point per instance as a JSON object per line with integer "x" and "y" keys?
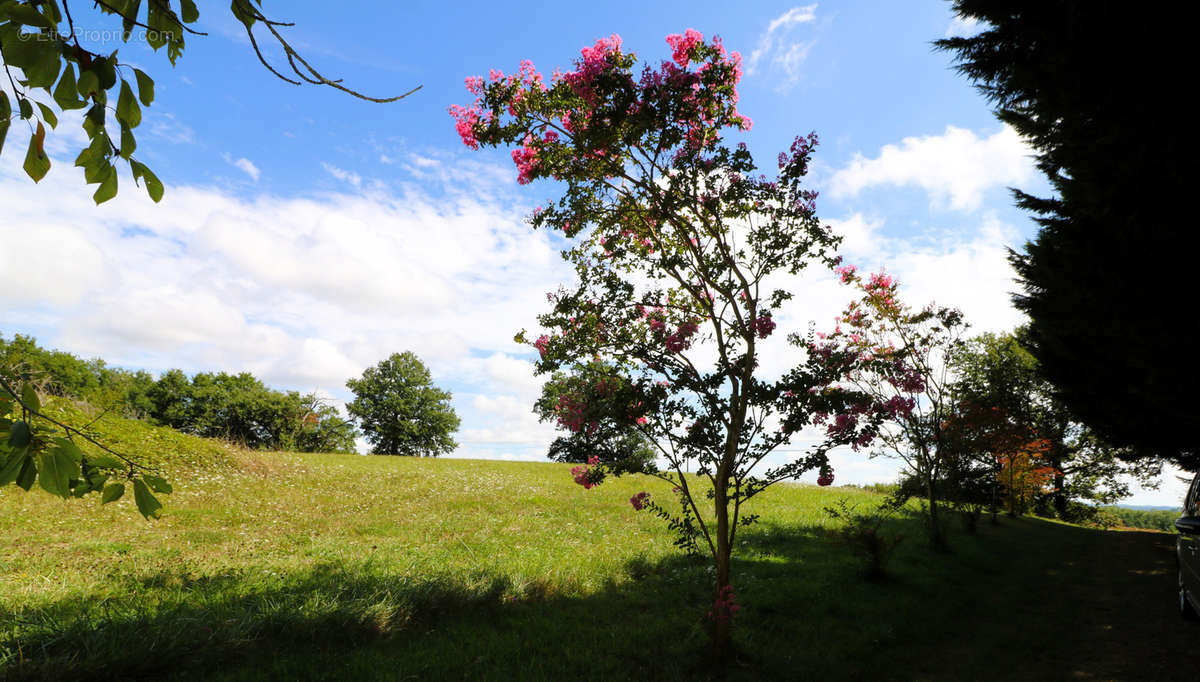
{"x": 1148, "y": 507}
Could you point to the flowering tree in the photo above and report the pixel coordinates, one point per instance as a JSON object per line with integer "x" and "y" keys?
{"x": 671, "y": 237}
{"x": 903, "y": 365}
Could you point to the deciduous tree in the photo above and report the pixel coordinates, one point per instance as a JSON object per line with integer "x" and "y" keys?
{"x": 400, "y": 410}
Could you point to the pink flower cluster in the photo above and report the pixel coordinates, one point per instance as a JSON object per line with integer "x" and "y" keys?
{"x": 569, "y": 410}
{"x": 639, "y": 501}
{"x": 825, "y": 479}
{"x": 764, "y": 325}
{"x": 542, "y": 342}
{"x": 897, "y": 406}
{"x": 681, "y": 45}
{"x": 526, "y": 160}
{"x": 465, "y": 120}
{"x": 846, "y": 272}
{"x": 725, "y": 607}
{"x": 593, "y": 63}
{"x": 681, "y": 339}
{"x": 583, "y": 474}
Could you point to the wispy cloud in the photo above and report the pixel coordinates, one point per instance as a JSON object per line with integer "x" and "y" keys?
{"x": 343, "y": 175}
{"x": 243, "y": 164}
{"x": 777, "y": 49}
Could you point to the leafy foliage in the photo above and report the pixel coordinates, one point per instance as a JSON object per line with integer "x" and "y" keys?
{"x": 999, "y": 377}
{"x": 238, "y": 408}
{"x": 401, "y": 411}
{"x": 1106, "y": 277}
{"x": 590, "y": 403}
{"x": 903, "y": 363}
{"x": 36, "y": 448}
{"x": 42, "y": 50}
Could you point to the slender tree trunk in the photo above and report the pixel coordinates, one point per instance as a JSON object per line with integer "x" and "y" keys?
{"x": 935, "y": 529}
{"x": 722, "y": 622}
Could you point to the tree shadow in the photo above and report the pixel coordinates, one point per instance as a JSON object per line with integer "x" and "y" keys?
{"x": 1023, "y": 600}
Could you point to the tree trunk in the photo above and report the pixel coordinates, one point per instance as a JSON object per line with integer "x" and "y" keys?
{"x": 936, "y": 540}
{"x": 722, "y": 622}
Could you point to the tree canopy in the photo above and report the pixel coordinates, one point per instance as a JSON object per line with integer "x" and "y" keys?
{"x": 608, "y": 436}
{"x": 400, "y": 410}
{"x": 1094, "y": 88}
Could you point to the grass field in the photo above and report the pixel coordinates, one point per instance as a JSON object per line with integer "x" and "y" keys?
{"x": 287, "y": 566}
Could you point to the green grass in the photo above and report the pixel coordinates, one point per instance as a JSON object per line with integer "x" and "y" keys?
{"x": 289, "y": 566}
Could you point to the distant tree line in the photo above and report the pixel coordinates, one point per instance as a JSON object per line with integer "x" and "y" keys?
{"x": 1152, "y": 519}
{"x": 235, "y": 407}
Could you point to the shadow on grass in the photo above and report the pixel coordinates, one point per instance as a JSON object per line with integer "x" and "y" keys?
{"x": 1023, "y": 600}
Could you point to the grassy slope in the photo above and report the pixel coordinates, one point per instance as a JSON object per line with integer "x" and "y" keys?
{"x": 302, "y": 566}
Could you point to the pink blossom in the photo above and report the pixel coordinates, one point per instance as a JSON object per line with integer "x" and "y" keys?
{"x": 542, "y": 342}
{"x": 764, "y": 325}
{"x": 846, "y": 272}
{"x": 526, "y": 160}
{"x": 639, "y": 501}
{"x": 465, "y": 120}
{"x": 681, "y": 45}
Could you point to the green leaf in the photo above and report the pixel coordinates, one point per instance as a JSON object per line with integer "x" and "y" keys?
{"x": 128, "y": 143}
{"x": 127, "y": 107}
{"x": 37, "y": 163}
{"x": 25, "y": 14}
{"x": 190, "y": 13}
{"x": 88, "y": 83}
{"x": 26, "y": 108}
{"x": 145, "y": 87}
{"x": 112, "y": 492}
{"x": 106, "y": 71}
{"x": 98, "y": 172}
{"x": 5, "y": 114}
{"x": 28, "y": 474}
{"x": 157, "y": 484}
{"x": 55, "y": 471}
{"x": 153, "y": 186}
{"x": 19, "y": 434}
{"x": 29, "y": 396}
{"x": 70, "y": 449}
{"x": 48, "y": 115}
{"x": 13, "y": 463}
{"x": 93, "y": 121}
{"x": 44, "y": 70}
{"x": 108, "y": 187}
{"x": 66, "y": 93}
{"x": 147, "y": 503}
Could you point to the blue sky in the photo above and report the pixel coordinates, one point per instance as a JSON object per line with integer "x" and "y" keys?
{"x": 306, "y": 235}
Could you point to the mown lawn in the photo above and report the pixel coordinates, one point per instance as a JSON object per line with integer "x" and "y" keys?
{"x": 287, "y": 566}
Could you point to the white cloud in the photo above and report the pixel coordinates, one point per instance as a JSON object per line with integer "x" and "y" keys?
{"x": 243, "y": 164}
{"x": 955, "y": 167}
{"x": 778, "y": 49}
{"x": 343, "y": 175}
{"x": 304, "y": 292}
